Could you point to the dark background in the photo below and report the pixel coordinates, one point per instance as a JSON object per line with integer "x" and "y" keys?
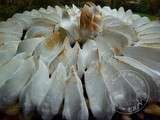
{"x": 150, "y": 8}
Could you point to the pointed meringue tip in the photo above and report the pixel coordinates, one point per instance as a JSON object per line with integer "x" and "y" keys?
{"x": 73, "y": 69}
{"x": 77, "y": 43}
{"x": 76, "y": 46}
{"x": 74, "y": 72}
{"x": 61, "y": 68}
{"x": 74, "y": 6}
{"x": 60, "y": 65}
{"x": 121, "y": 8}
{"x": 72, "y": 75}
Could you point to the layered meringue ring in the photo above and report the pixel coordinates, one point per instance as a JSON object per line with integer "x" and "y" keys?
{"x": 73, "y": 62}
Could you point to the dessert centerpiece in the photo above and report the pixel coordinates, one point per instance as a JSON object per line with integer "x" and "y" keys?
{"x": 76, "y": 62}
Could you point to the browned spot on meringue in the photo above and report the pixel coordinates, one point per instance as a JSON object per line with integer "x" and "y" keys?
{"x": 39, "y": 34}
{"x": 98, "y": 67}
{"x": 73, "y": 75}
{"x": 53, "y": 40}
{"x": 97, "y": 18}
{"x": 56, "y": 38}
{"x": 117, "y": 51}
{"x": 86, "y": 17}
{"x": 89, "y": 19}
{"x": 61, "y": 55}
